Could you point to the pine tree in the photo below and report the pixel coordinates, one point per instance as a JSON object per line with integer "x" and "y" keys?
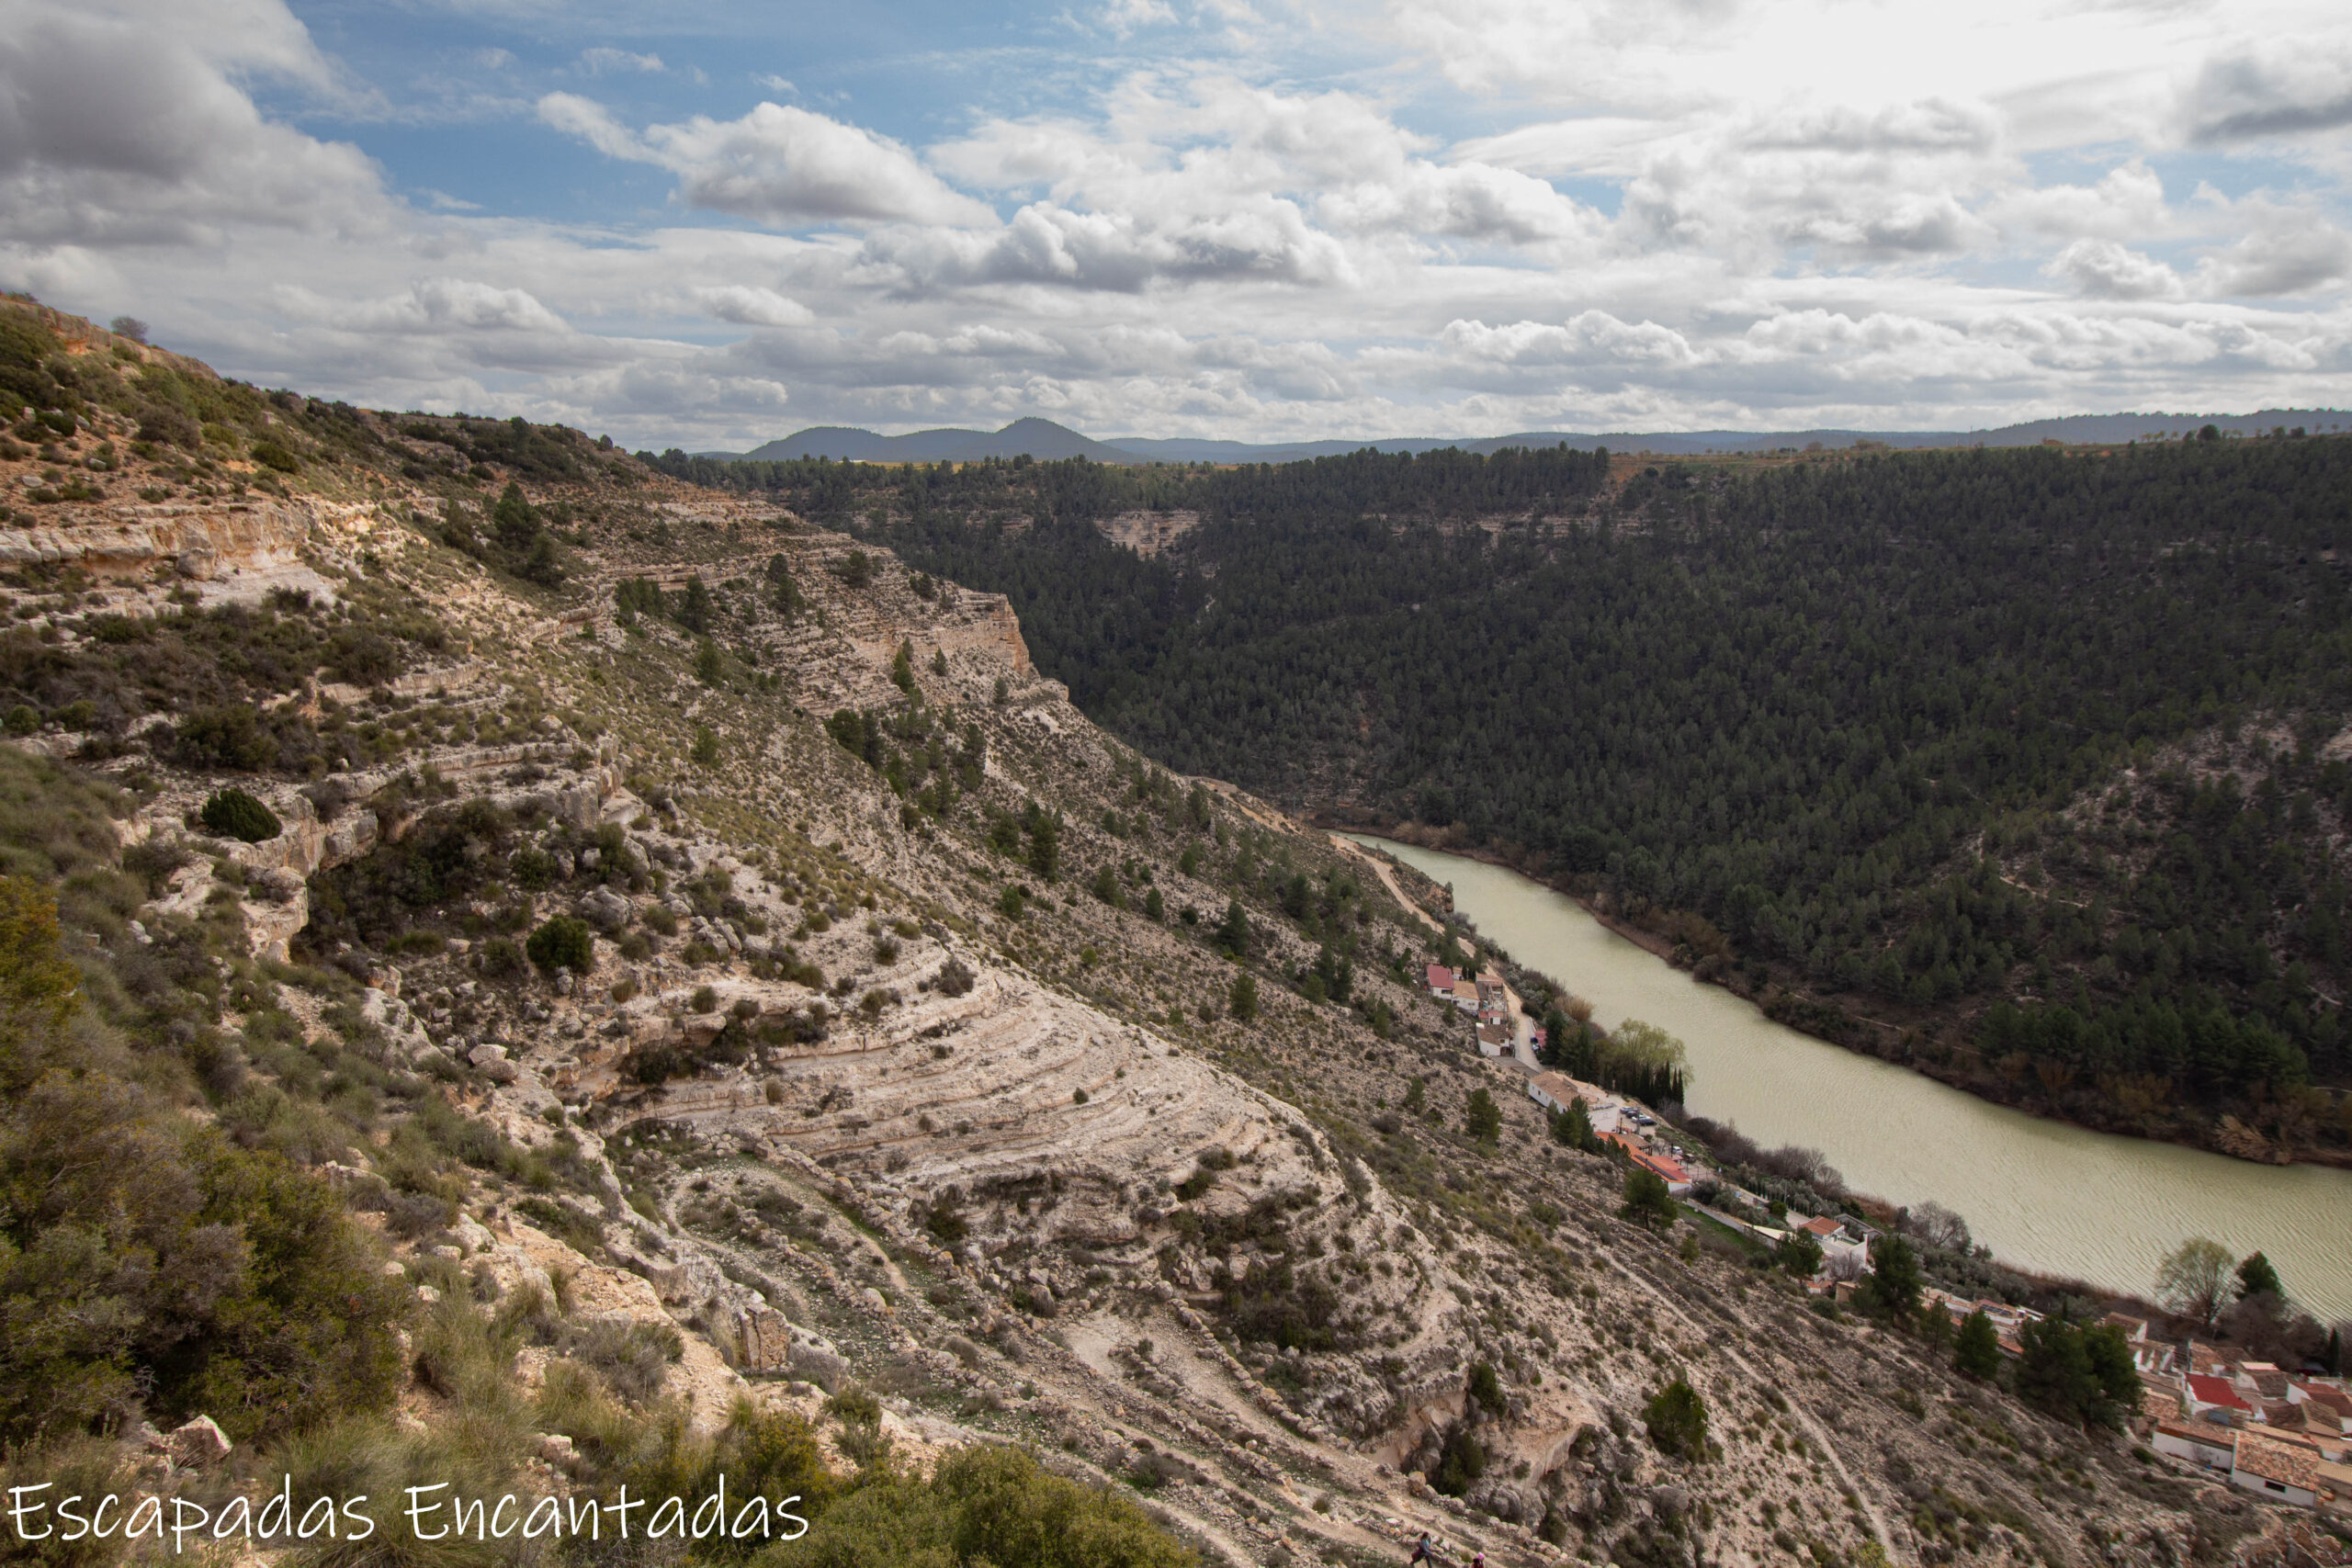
{"x": 1483, "y": 1119}
{"x": 1977, "y": 1351}
{"x": 1243, "y": 1000}
{"x": 512, "y": 520}
{"x": 695, "y": 610}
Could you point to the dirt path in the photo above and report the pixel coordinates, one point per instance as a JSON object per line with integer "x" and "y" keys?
{"x": 1346, "y": 846}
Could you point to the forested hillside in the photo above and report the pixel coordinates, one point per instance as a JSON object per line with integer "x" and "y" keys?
{"x": 2033, "y": 757}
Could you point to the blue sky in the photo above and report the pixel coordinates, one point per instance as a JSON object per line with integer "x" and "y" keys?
{"x": 709, "y": 224}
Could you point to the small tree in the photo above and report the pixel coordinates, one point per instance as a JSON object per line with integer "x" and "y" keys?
{"x": 1894, "y": 1284}
{"x": 512, "y": 519}
{"x": 1486, "y": 1390}
{"x": 1482, "y": 1119}
{"x": 1233, "y": 934}
{"x": 705, "y": 753}
{"x": 695, "y": 611}
{"x": 1647, "y": 1202}
{"x": 1154, "y": 907}
{"x": 1460, "y": 1460}
{"x": 1573, "y": 1127}
{"x": 710, "y": 665}
{"x": 1976, "y": 1353}
{"x": 562, "y": 941}
{"x": 1798, "y": 1253}
{"x": 902, "y": 667}
{"x": 1044, "y": 846}
{"x": 1677, "y": 1418}
{"x": 2257, "y": 1276}
{"x": 1243, "y": 1000}
{"x": 1107, "y": 888}
{"x": 236, "y": 815}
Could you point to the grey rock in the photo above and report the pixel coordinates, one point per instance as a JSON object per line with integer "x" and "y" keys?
{"x": 604, "y": 909}
{"x": 811, "y": 1364}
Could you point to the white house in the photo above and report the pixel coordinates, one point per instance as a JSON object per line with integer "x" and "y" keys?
{"x": 1496, "y": 1040}
{"x": 2283, "y": 1469}
{"x": 2211, "y": 1446}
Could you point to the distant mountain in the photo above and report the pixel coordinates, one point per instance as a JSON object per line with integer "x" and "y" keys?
{"x": 1042, "y": 438}
{"x": 2073, "y": 428}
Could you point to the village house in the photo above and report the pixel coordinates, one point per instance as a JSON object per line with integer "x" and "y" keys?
{"x": 1440, "y": 980}
{"x": 1553, "y": 1090}
{"x": 2148, "y": 1355}
{"x": 1839, "y": 1250}
{"x": 2277, "y": 1465}
{"x": 1465, "y": 995}
{"x": 2214, "y": 1448}
{"x": 1496, "y": 1040}
{"x": 1663, "y": 1166}
{"x": 2208, "y": 1395}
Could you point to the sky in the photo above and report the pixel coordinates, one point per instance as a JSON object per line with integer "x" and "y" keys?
{"x": 705, "y": 224}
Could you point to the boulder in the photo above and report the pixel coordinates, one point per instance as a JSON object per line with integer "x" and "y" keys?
{"x": 200, "y": 1445}
{"x": 604, "y": 909}
{"x": 814, "y": 1364}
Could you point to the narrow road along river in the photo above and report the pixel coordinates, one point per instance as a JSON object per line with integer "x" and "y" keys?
{"x": 2042, "y": 1195}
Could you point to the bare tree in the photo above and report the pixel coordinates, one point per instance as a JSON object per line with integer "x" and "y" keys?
{"x": 1937, "y": 1227}
{"x": 2193, "y": 1281}
{"x": 131, "y": 327}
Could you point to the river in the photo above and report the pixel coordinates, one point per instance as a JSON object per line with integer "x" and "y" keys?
{"x": 2044, "y": 1196}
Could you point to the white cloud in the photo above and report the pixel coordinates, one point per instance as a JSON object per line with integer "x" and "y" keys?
{"x": 778, "y": 164}
{"x": 748, "y": 305}
{"x": 117, "y": 127}
{"x": 1773, "y": 213}
{"x": 2279, "y": 88}
{"x": 2102, "y": 269}
{"x": 603, "y": 60}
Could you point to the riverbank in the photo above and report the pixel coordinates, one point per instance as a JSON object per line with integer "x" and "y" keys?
{"x": 1904, "y": 1043}
{"x": 2047, "y": 1198}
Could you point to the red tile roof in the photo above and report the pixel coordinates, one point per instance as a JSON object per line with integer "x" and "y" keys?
{"x": 2216, "y": 1391}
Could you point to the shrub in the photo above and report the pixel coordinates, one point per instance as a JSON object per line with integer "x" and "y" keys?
{"x": 705, "y": 753}
{"x": 21, "y": 720}
{"x": 234, "y": 814}
{"x": 988, "y": 1504}
{"x": 271, "y": 454}
{"x": 501, "y": 959}
{"x": 563, "y": 941}
{"x": 1677, "y": 1418}
{"x": 954, "y": 979}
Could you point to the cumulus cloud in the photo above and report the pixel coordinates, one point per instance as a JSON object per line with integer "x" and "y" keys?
{"x": 2276, "y": 89}
{"x": 1694, "y": 212}
{"x": 778, "y": 164}
{"x": 2102, "y": 269}
{"x": 1266, "y": 239}
{"x": 2287, "y": 251}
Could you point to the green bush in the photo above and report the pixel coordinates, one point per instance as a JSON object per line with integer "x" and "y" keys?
{"x": 1677, "y": 1418}
{"x": 563, "y": 941}
{"x": 272, "y": 455}
{"x": 22, "y": 720}
{"x": 985, "y": 1504}
{"x": 234, "y": 814}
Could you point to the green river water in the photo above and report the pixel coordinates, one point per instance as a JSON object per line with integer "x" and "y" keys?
{"x": 2044, "y": 1196}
